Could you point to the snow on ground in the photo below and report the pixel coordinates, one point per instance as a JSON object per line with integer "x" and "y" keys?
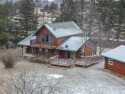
{"x": 54, "y": 76}
{"x": 91, "y": 80}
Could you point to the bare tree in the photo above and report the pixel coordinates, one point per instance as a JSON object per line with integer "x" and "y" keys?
{"x": 10, "y": 57}
{"x": 31, "y": 83}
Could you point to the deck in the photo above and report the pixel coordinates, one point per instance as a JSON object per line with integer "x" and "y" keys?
{"x": 84, "y": 62}
{"x": 87, "y": 61}
{"x": 62, "y": 62}
{"x": 56, "y": 61}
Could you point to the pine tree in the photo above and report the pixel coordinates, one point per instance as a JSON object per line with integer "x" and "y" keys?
{"x": 26, "y": 9}
{"x": 69, "y": 11}
{"x": 112, "y": 15}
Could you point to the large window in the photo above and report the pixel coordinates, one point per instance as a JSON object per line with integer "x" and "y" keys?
{"x": 110, "y": 61}
{"x": 45, "y": 38}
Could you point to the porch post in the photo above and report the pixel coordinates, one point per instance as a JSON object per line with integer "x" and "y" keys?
{"x": 66, "y": 46}
{"x": 22, "y": 50}
{"x": 32, "y": 50}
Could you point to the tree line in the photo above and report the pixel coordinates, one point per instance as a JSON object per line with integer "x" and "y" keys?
{"x": 110, "y": 14}
{"x": 103, "y": 14}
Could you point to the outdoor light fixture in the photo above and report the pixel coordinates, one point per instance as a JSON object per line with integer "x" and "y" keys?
{"x": 66, "y": 46}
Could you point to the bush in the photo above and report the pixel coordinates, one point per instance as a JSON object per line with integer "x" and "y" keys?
{"x": 10, "y": 57}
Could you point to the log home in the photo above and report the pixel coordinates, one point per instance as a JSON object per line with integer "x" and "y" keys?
{"x": 63, "y": 38}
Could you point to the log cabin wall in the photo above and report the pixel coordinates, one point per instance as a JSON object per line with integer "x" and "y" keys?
{"x": 117, "y": 66}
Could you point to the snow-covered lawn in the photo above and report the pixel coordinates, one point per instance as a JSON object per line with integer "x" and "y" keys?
{"x": 91, "y": 80}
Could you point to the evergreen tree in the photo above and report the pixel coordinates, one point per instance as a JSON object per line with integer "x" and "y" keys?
{"x": 4, "y": 37}
{"x": 69, "y": 11}
{"x": 2, "y": 23}
{"x": 112, "y": 15}
{"x": 46, "y": 8}
{"x": 53, "y": 9}
{"x": 27, "y": 10}
{"x": 3, "y": 16}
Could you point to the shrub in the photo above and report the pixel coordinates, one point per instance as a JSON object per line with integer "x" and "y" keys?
{"x": 10, "y": 57}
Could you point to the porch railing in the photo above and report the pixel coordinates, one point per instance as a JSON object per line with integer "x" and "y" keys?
{"x": 38, "y": 43}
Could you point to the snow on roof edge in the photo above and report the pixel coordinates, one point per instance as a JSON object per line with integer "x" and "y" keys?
{"x": 26, "y": 41}
{"x": 114, "y": 56}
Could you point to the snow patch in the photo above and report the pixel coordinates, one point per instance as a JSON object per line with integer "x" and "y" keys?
{"x": 54, "y": 76}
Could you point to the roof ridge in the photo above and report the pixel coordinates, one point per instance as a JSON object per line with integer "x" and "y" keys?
{"x": 60, "y": 22}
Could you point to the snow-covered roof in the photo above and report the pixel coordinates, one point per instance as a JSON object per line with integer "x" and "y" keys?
{"x": 26, "y": 41}
{"x": 62, "y": 29}
{"x": 72, "y": 44}
{"x": 117, "y": 53}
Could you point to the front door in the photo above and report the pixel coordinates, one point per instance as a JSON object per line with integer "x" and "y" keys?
{"x": 70, "y": 55}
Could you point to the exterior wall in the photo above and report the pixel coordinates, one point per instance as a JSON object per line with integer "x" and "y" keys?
{"x": 56, "y": 52}
{"x": 28, "y": 49}
{"x": 78, "y": 54}
{"x": 117, "y": 66}
{"x": 42, "y": 31}
{"x": 63, "y": 54}
{"x": 90, "y": 48}
{"x": 60, "y": 40}
{"x": 45, "y": 31}
{"x": 88, "y": 51}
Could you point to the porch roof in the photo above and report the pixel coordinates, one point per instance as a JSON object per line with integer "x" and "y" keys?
{"x": 74, "y": 43}
{"x": 26, "y": 41}
{"x": 62, "y": 29}
{"x": 117, "y": 53}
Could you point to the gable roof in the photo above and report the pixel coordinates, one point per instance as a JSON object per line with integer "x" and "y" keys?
{"x": 62, "y": 29}
{"x": 26, "y": 41}
{"x": 117, "y": 54}
{"x": 74, "y": 44}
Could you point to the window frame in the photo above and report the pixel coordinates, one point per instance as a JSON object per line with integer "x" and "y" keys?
{"x": 110, "y": 61}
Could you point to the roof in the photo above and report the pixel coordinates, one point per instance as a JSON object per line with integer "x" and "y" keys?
{"x": 72, "y": 44}
{"x": 117, "y": 53}
{"x": 26, "y": 41}
{"x": 63, "y": 29}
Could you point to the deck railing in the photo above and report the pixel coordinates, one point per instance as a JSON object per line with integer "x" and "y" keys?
{"x": 35, "y": 42}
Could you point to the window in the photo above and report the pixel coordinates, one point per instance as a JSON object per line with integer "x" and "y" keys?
{"x": 72, "y": 55}
{"x": 110, "y": 61}
{"x": 45, "y": 38}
